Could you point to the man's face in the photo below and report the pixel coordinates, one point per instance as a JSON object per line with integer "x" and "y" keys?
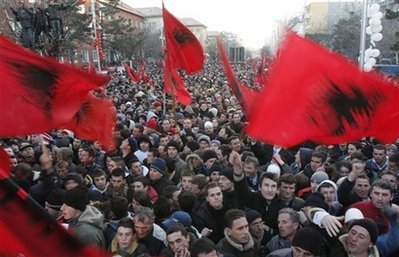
{"x": 61, "y": 172}
{"x": 391, "y": 179}
{"x": 203, "y": 145}
{"x": 124, "y": 236}
{"x": 351, "y": 149}
{"x": 177, "y": 242}
{"x": 315, "y": 163}
{"x": 208, "y": 130}
{"x": 381, "y": 197}
{"x": 329, "y": 194}
{"x": 239, "y": 231}
{"x": 215, "y": 176}
{"x": 225, "y": 184}
{"x": 136, "y": 133}
{"x": 195, "y": 190}
{"x": 187, "y": 124}
{"x": 286, "y": 226}
{"x": 144, "y": 146}
{"x": 236, "y": 118}
{"x": 27, "y": 152}
{"x": 220, "y": 156}
{"x": 215, "y": 197}
{"x": 209, "y": 162}
{"x": 136, "y": 168}
{"x": 172, "y": 152}
{"x": 287, "y": 191}
{"x": 117, "y": 182}
{"x": 379, "y": 156}
{"x": 249, "y": 169}
{"x": 68, "y": 212}
{"x": 138, "y": 187}
{"x": 186, "y": 182}
{"x": 166, "y": 125}
{"x": 150, "y": 157}
{"x": 100, "y": 182}
{"x": 85, "y": 158}
{"x": 155, "y": 175}
{"x": 256, "y": 228}
{"x": 362, "y": 187}
{"x": 359, "y": 241}
{"x": 142, "y": 228}
{"x": 235, "y": 144}
{"x": 164, "y": 141}
{"x": 268, "y": 189}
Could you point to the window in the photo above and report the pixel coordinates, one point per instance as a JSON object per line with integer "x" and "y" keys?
{"x": 85, "y": 56}
{"x": 95, "y": 57}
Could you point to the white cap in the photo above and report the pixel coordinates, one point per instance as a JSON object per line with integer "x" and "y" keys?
{"x": 274, "y": 168}
{"x": 208, "y": 124}
{"x": 353, "y": 214}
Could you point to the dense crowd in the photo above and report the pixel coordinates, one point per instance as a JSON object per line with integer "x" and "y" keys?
{"x": 188, "y": 181}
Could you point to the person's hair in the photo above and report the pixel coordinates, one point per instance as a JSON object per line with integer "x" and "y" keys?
{"x": 118, "y": 172}
{"x": 358, "y": 156}
{"x": 144, "y": 214}
{"x": 140, "y": 127}
{"x": 143, "y": 199}
{"x": 380, "y": 147}
{"x": 119, "y": 161}
{"x": 144, "y": 180}
{"x": 252, "y": 159}
{"x": 163, "y": 135}
{"x": 345, "y": 164}
{"x": 388, "y": 172}
{"x": 234, "y": 137}
{"x": 320, "y": 154}
{"x": 176, "y": 228}
{"x": 356, "y": 144}
{"x": 126, "y": 223}
{"x": 61, "y": 164}
{"x": 245, "y": 154}
{"x": 89, "y": 149}
{"x": 269, "y": 175}
{"x": 186, "y": 173}
{"x": 225, "y": 150}
{"x": 98, "y": 173}
{"x": 363, "y": 176}
{"x": 294, "y": 215}
{"x": 202, "y": 246}
{"x": 131, "y": 161}
{"x": 383, "y": 184}
{"x": 186, "y": 201}
{"x": 200, "y": 181}
{"x": 287, "y": 178}
{"x": 394, "y": 158}
{"x": 154, "y": 152}
{"x": 210, "y": 186}
{"x": 168, "y": 191}
{"x": 232, "y": 215}
{"x": 162, "y": 208}
{"x": 119, "y": 207}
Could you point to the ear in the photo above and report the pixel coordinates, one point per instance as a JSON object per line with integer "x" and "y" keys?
{"x": 296, "y": 225}
{"x": 228, "y": 231}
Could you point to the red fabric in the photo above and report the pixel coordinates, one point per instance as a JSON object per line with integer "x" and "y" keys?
{"x": 174, "y": 84}
{"x": 183, "y": 48}
{"x": 39, "y": 94}
{"x": 95, "y": 121}
{"x": 372, "y": 212}
{"x": 132, "y": 74}
{"x": 244, "y": 94}
{"x": 313, "y": 94}
{"x": 25, "y": 228}
{"x": 260, "y": 75}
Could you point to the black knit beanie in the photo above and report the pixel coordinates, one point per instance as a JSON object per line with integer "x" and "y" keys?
{"x": 76, "y": 197}
{"x": 369, "y": 225}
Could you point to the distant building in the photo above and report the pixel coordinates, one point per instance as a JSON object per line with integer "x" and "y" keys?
{"x": 152, "y": 18}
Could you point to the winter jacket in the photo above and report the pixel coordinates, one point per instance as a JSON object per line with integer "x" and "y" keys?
{"x": 135, "y": 249}
{"x": 228, "y": 247}
{"x": 88, "y": 226}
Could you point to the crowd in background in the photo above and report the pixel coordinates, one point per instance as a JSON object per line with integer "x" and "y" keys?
{"x": 188, "y": 181}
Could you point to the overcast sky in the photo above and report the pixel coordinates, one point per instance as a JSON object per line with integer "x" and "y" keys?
{"x": 252, "y": 20}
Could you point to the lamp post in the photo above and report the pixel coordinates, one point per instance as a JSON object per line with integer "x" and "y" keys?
{"x": 363, "y": 34}
{"x": 94, "y": 25}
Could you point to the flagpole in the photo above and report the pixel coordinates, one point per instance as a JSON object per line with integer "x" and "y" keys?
{"x": 93, "y": 23}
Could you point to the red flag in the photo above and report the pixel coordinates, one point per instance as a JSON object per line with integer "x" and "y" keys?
{"x": 313, "y": 94}
{"x": 260, "y": 75}
{"x": 95, "y": 121}
{"x": 144, "y": 77}
{"x": 27, "y": 230}
{"x": 243, "y": 93}
{"x": 175, "y": 85}
{"x": 132, "y": 74}
{"x": 183, "y": 48}
{"x": 91, "y": 68}
{"x": 39, "y": 94}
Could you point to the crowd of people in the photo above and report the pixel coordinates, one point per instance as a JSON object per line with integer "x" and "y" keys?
{"x": 188, "y": 181}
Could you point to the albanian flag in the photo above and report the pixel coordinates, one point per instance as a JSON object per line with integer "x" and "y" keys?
{"x": 39, "y": 94}
{"x": 183, "y": 48}
{"x": 261, "y": 73}
{"x": 236, "y": 87}
{"x": 27, "y": 230}
{"x": 132, "y": 74}
{"x": 313, "y": 94}
{"x": 95, "y": 121}
{"x": 175, "y": 85}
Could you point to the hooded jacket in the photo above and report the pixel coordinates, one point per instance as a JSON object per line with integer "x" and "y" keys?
{"x": 228, "y": 247}
{"x": 88, "y": 226}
